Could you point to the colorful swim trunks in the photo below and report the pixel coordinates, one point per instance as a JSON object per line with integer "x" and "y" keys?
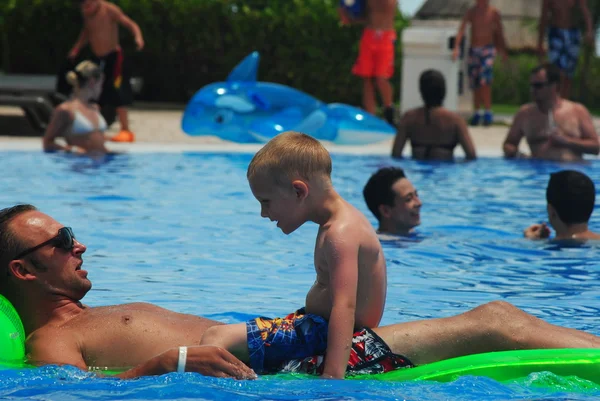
{"x": 369, "y": 355}
{"x": 376, "y": 54}
{"x": 296, "y": 336}
{"x": 481, "y": 65}
{"x": 563, "y": 48}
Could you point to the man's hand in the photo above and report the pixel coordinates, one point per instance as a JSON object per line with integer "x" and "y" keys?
{"x": 214, "y": 361}
{"x": 73, "y": 54}
{"x": 455, "y": 53}
{"x": 558, "y": 140}
{"x": 537, "y": 231}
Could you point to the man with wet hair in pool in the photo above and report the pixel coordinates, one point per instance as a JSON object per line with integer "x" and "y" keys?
{"x": 394, "y": 201}
{"x": 570, "y": 198}
{"x": 41, "y": 266}
{"x": 555, "y": 128}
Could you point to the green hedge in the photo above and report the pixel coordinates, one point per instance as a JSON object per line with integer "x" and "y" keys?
{"x": 190, "y": 43}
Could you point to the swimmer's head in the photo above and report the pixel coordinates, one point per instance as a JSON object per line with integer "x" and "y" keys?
{"x": 290, "y": 156}
{"x": 282, "y": 175}
{"x": 86, "y": 74}
{"x": 393, "y": 200}
{"x": 544, "y": 81}
{"x": 432, "y": 86}
{"x": 89, "y": 7}
{"x": 571, "y": 196}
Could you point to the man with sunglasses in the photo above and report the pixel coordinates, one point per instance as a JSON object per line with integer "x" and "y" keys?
{"x": 555, "y": 128}
{"x": 42, "y": 276}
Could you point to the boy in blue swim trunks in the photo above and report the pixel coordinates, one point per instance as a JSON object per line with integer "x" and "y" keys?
{"x": 291, "y": 178}
{"x": 486, "y": 31}
{"x": 559, "y": 18}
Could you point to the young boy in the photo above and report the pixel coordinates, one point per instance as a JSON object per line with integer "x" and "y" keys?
{"x": 486, "y": 30}
{"x": 559, "y": 18}
{"x": 101, "y": 21}
{"x": 376, "y": 54}
{"x": 291, "y": 178}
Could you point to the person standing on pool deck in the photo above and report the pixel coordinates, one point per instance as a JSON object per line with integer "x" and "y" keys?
{"x": 570, "y": 198}
{"x": 101, "y": 21}
{"x": 558, "y": 18}
{"x": 291, "y": 178}
{"x": 42, "y": 276}
{"x": 376, "y": 54}
{"x": 486, "y": 32}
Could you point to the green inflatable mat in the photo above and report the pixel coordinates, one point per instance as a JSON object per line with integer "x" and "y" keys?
{"x": 501, "y": 366}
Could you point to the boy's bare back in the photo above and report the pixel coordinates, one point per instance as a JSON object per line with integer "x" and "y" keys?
{"x": 346, "y": 241}
{"x": 484, "y": 25}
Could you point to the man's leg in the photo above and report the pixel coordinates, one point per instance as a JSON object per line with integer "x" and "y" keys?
{"x": 369, "y": 102}
{"x": 386, "y": 92}
{"x": 123, "y": 118}
{"x": 496, "y": 326}
{"x": 565, "y": 86}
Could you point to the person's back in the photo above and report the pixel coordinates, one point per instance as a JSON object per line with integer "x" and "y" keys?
{"x": 433, "y": 130}
{"x": 291, "y": 178}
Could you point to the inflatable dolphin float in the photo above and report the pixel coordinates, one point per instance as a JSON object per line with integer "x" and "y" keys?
{"x": 245, "y": 110}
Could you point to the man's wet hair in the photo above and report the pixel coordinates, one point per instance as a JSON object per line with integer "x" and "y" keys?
{"x": 10, "y": 245}
{"x": 552, "y": 72}
{"x": 572, "y": 194}
{"x": 378, "y": 190}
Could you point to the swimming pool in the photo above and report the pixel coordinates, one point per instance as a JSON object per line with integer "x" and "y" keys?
{"x": 182, "y": 230}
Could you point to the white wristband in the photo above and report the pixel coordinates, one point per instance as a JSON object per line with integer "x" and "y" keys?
{"x": 182, "y": 359}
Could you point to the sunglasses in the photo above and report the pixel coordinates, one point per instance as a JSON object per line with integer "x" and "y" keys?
{"x": 63, "y": 240}
{"x": 538, "y": 85}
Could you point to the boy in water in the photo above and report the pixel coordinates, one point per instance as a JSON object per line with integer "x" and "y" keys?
{"x": 376, "y": 54}
{"x": 486, "y": 31}
{"x": 291, "y": 178}
{"x": 559, "y": 18}
{"x": 101, "y": 21}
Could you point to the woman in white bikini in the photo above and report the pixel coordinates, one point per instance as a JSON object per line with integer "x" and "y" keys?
{"x": 78, "y": 120}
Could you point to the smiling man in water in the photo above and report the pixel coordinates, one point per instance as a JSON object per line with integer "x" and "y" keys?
{"x": 41, "y": 265}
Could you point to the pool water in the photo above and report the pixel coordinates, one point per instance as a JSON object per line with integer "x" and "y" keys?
{"x": 183, "y": 231}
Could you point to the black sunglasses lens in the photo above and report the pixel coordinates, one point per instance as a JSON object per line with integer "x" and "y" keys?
{"x": 65, "y": 238}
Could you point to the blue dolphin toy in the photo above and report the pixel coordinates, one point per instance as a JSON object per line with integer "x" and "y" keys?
{"x": 246, "y": 111}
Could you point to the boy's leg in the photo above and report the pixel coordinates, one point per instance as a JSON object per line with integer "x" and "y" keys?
{"x": 565, "y": 86}
{"x": 384, "y": 54}
{"x": 496, "y": 326}
{"x": 386, "y": 91}
{"x": 232, "y": 337}
{"x": 125, "y": 135}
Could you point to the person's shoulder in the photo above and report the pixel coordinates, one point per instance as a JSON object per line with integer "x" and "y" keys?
{"x": 64, "y": 110}
{"x": 526, "y": 109}
{"x": 112, "y": 8}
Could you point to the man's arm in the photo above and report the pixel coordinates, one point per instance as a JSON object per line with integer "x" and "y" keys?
{"x": 128, "y": 23}
{"x": 81, "y": 41}
{"x": 543, "y": 25}
{"x": 588, "y": 143}
{"x": 207, "y": 360}
{"x": 461, "y": 33}
{"x": 341, "y": 252}
{"x": 515, "y": 134}
{"x": 587, "y": 16}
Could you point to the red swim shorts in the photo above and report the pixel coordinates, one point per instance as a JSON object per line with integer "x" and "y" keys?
{"x": 376, "y": 54}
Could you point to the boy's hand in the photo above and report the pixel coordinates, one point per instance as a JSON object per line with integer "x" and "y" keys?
{"x": 537, "y": 231}
{"x": 455, "y": 54}
{"x": 343, "y": 16}
{"x": 73, "y": 54}
{"x": 139, "y": 43}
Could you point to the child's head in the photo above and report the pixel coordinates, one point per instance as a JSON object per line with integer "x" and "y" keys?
{"x": 571, "y": 196}
{"x": 88, "y": 7}
{"x": 282, "y": 174}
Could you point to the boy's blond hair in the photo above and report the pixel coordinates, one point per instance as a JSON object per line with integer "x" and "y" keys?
{"x": 288, "y": 156}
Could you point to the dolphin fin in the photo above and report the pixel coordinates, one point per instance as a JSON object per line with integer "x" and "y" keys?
{"x": 246, "y": 70}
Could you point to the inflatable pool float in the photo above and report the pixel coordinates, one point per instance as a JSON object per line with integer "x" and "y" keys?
{"x": 501, "y": 366}
{"x": 246, "y": 111}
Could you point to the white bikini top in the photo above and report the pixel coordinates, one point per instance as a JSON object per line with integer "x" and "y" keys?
{"x": 82, "y": 125}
